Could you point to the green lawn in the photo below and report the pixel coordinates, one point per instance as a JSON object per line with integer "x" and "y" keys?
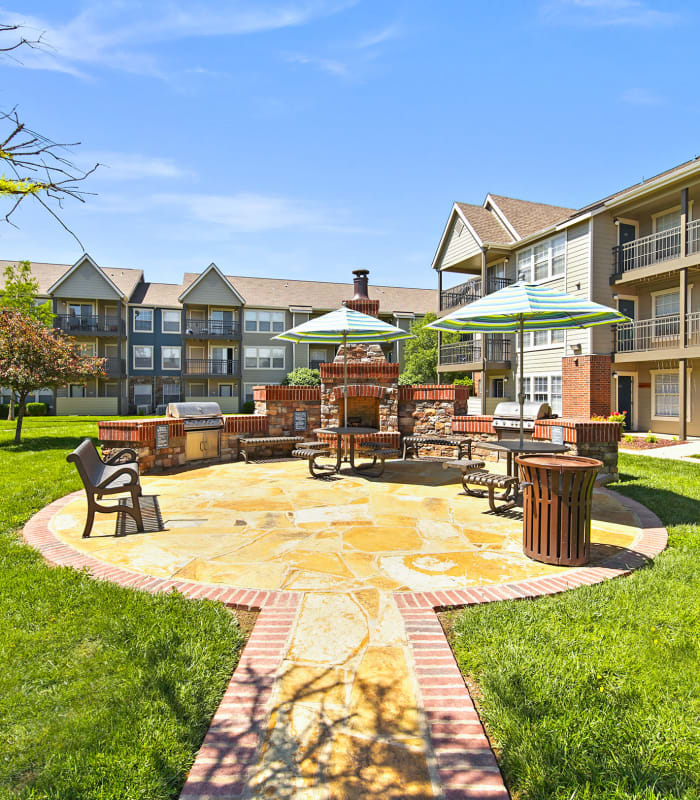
{"x": 595, "y": 694}
{"x": 104, "y": 692}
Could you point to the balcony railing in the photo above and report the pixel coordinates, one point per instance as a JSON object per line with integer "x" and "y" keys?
{"x": 88, "y": 324}
{"x": 115, "y": 366}
{"x": 211, "y": 366}
{"x": 656, "y": 248}
{"x": 471, "y": 352}
{"x": 660, "y": 333}
{"x": 470, "y": 291}
{"x": 693, "y": 237}
{"x": 692, "y": 329}
{"x": 212, "y": 327}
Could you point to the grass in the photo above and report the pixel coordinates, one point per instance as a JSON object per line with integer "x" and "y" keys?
{"x": 594, "y": 693}
{"x": 104, "y": 692}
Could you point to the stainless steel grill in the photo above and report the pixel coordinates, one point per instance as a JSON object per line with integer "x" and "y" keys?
{"x": 197, "y": 416}
{"x": 506, "y": 417}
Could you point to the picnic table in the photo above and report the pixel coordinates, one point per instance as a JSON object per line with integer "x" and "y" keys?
{"x": 377, "y": 450}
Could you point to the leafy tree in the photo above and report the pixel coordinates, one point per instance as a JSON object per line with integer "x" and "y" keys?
{"x": 303, "y": 376}
{"x": 20, "y": 293}
{"x": 33, "y": 356}
{"x": 421, "y": 352}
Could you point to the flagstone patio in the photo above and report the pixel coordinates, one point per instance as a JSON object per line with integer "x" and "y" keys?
{"x": 330, "y": 699}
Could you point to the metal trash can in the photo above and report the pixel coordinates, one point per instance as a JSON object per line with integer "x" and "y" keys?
{"x": 557, "y": 495}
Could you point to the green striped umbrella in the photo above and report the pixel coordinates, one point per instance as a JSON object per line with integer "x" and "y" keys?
{"x": 344, "y": 326}
{"x": 527, "y": 307}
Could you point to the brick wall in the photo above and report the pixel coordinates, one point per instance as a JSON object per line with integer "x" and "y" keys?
{"x": 278, "y": 404}
{"x": 586, "y": 386}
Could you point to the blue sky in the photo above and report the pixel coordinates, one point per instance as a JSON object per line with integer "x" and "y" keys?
{"x": 306, "y": 139}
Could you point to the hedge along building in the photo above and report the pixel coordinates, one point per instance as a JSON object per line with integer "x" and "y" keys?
{"x": 207, "y": 337}
{"x": 637, "y": 250}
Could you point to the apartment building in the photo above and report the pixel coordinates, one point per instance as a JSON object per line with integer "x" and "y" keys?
{"x": 637, "y": 250}
{"x": 209, "y": 337}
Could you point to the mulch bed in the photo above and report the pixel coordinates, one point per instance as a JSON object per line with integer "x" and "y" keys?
{"x": 641, "y": 444}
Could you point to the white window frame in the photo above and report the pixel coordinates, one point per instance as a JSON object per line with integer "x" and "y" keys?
{"x": 529, "y": 336}
{"x": 672, "y": 210}
{"x": 256, "y": 348}
{"x": 136, "y": 311}
{"x": 165, "y": 311}
{"x": 165, "y": 347}
{"x": 133, "y": 355}
{"x": 245, "y": 391}
{"x": 672, "y": 290}
{"x": 141, "y": 386}
{"x": 529, "y": 385}
{"x": 250, "y": 314}
{"x": 530, "y": 251}
{"x": 653, "y": 373}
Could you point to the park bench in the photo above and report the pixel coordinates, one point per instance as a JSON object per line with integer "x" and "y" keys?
{"x": 311, "y": 451}
{"x": 414, "y": 443}
{"x": 474, "y": 474}
{"x": 118, "y": 474}
{"x": 378, "y": 451}
{"x": 249, "y": 444}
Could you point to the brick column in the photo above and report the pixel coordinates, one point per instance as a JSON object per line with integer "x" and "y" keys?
{"x": 586, "y": 386}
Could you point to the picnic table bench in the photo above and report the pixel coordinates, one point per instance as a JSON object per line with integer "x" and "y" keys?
{"x": 311, "y": 451}
{"x": 474, "y": 474}
{"x": 118, "y": 474}
{"x": 416, "y": 442}
{"x": 248, "y": 444}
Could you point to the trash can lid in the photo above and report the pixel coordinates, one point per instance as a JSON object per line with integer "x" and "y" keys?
{"x": 558, "y": 462}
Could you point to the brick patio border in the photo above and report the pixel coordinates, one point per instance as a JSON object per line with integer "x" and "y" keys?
{"x": 466, "y": 765}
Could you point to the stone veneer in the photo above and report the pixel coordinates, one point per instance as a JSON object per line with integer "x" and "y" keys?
{"x": 279, "y": 404}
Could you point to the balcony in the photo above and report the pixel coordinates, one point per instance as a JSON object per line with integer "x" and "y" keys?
{"x": 467, "y": 356}
{"x": 212, "y": 329}
{"x": 470, "y": 291}
{"x": 114, "y": 367}
{"x": 212, "y": 367}
{"x": 645, "y": 338}
{"x": 89, "y": 325}
{"x": 655, "y": 249}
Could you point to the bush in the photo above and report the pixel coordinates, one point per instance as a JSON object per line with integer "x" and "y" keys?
{"x": 4, "y": 410}
{"x": 36, "y": 409}
{"x": 651, "y": 438}
{"x": 303, "y": 376}
{"x": 465, "y": 381}
{"x": 248, "y": 407}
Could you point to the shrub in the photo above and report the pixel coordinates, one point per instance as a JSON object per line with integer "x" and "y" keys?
{"x": 651, "y": 438}
{"x": 629, "y": 439}
{"x": 36, "y": 409}
{"x": 303, "y": 376}
{"x": 464, "y": 381}
{"x": 248, "y": 407}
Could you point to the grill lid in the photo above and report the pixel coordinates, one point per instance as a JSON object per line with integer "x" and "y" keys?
{"x": 532, "y": 409}
{"x": 193, "y": 410}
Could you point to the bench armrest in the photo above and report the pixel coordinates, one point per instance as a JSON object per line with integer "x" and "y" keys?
{"x": 133, "y": 478}
{"x": 115, "y": 458}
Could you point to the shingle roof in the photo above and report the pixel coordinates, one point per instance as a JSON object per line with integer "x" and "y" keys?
{"x": 158, "y": 294}
{"x": 320, "y": 295}
{"x": 486, "y": 225}
{"x": 47, "y": 274}
{"x": 528, "y": 217}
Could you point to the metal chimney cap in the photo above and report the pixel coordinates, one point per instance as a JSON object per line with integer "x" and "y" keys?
{"x": 361, "y": 273}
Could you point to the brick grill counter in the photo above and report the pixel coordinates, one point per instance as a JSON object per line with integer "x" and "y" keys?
{"x": 141, "y": 436}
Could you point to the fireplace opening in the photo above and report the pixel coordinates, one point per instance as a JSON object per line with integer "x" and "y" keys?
{"x": 363, "y": 412}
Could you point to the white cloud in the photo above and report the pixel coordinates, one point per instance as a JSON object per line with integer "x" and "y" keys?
{"x": 378, "y": 37}
{"x": 606, "y": 13}
{"x": 131, "y": 166}
{"x": 641, "y": 97}
{"x": 117, "y": 34}
{"x": 329, "y": 65}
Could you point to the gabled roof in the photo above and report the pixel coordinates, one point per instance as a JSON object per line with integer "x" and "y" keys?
{"x": 526, "y": 217}
{"x": 195, "y": 278}
{"x": 85, "y": 257}
{"x": 165, "y": 295}
{"x": 485, "y": 224}
{"x": 325, "y": 296}
{"x": 44, "y": 274}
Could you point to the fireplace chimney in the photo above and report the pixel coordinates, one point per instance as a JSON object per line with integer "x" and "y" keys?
{"x": 360, "y": 283}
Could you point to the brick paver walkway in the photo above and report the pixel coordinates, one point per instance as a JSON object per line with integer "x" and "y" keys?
{"x": 347, "y": 687}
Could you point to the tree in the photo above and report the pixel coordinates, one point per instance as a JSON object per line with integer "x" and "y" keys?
{"x": 20, "y": 293}
{"x": 38, "y": 167}
{"x": 421, "y": 352}
{"x": 33, "y": 356}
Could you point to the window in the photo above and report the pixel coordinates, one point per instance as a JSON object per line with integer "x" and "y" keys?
{"x": 143, "y": 356}
{"x": 170, "y": 357}
{"x": 110, "y": 389}
{"x": 171, "y": 392}
{"x": 143, "y": 320}
{"x": 197, "y": 389}
{"x": 264, "y": 321}
{"x": 541, "y": 393}
{"x": 76, "y": 390}
{"x": 667, "y": 221}
{"x": 264, "y": 357}
{"x": 527, "y": 383}
{"x": 225, "y": 390}
{"x": 540, "y": 338}
{"x": 544, "y": 389}
{"x": 558, "y": 337}
{"x": 545, "y": 260}
{"x": 86, "y": 349}
{"x": 546, "y": 338}
{"x": 667, "y": 303}
{"x": 170, "y": 321}
{"x": 555, "y": 394}
{"x": 666, "y": 395}
{"x": 143, "y": 394}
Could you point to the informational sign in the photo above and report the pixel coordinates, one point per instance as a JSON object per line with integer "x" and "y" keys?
{"x": 557, "y": 434}
{"x": 300, "y": 422}
{"x": 162, "y": 437}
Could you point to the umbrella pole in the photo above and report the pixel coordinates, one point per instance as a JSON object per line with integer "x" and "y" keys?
{"x": 521, "y": 397}
{"x": 345, "y": 379}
